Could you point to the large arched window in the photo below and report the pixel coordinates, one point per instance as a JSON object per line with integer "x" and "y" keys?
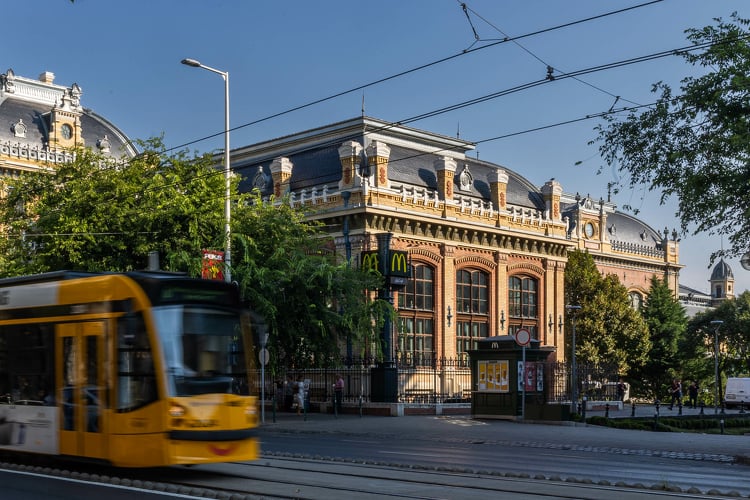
{"x": 416, "y": 311}
{"x": 523, "y": 301}
{"x": 472, "y": 310}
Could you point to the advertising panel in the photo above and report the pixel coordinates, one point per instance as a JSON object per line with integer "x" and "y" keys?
{"x": 493, "y": 375}
{"x": 29, "y": 428}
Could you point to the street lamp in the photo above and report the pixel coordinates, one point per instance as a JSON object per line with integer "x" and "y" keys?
{"x": 227, "y": 170}
{"x": 574, "y": 383}
{"x": 717, "y": 323}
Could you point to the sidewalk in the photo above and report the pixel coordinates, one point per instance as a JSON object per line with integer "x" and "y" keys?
{"x": 569, "y": 435}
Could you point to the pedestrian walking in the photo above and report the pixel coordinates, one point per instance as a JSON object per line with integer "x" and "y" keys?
{"x": 338, "y": 392}
{"x": 299, "y": 396}
{"x": 676, "y": 393}
{"x": 621, "y": 390}
{"x": 693, "y": 394}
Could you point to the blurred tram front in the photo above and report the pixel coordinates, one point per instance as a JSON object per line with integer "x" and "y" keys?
{"x": 134, "y": 369}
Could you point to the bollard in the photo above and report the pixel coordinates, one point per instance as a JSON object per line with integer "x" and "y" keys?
{"x": 657, "y": 403}
{"x": 703, "y": 405}
{"x": 632, "y": 409}
{"x": 742, "y": 407}
{"x": 721, "y": 425}
{"x": 606, "y": 410}
{"x": 582, "y": 411}
{"x": 656, "y": 420}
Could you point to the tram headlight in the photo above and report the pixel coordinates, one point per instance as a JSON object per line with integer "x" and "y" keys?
{"x": 176, "y": 411}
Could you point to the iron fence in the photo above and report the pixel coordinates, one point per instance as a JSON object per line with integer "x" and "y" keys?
{"x": 428, "y": 381}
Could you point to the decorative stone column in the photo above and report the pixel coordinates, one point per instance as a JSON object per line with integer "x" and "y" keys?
{"x": 378, "y": 154}
{"x": 499, "y": 188}
{"x": 281, "y": 171}
{"x": 552, "y": 190}
{"x": 446, "y": 170}
{"x": 350, "y": 156}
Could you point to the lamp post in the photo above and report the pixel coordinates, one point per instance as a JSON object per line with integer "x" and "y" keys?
{"x": 574, "y": 383}
{"x": 263, "y": 361}
{"x": 227, "y": 171}
{"x": 717, "y": 323}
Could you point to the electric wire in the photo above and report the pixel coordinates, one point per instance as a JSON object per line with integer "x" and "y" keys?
{"x": 603, "y": 67}
{"x": 414, "y": 70}
{"x": 550, "y": 68}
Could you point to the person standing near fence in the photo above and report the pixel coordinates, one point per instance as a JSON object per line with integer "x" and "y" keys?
{"x": 299, "y": 395}
{"x": 338, "y": 392}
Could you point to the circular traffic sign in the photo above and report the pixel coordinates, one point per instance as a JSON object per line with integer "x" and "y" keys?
{"x": 264, "y": 356}
{"x": 745, "y": 261}
{"x": 523, "y": 337}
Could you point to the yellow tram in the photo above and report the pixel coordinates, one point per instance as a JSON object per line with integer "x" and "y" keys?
{"x": 138, "y": 369}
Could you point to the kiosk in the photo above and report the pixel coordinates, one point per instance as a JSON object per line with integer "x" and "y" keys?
{"x": 510, "y": 380}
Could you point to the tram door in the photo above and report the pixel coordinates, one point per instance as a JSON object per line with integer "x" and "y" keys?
{"x": 81, "y": 388}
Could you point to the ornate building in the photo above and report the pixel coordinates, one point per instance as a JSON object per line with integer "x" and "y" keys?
{"x": 487, "y": 248}
{"x": 42, "y": 123}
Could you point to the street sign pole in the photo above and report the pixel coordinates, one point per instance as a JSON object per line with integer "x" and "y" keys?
{"x": 523, "y": 337}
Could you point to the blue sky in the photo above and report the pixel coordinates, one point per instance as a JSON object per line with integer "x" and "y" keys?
{"x": 281, "y": 55}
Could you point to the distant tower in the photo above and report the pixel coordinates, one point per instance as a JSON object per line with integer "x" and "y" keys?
{"x": 722, "y": 283}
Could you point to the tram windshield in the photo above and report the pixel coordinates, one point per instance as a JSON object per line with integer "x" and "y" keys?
{"x": 203, "y": 350}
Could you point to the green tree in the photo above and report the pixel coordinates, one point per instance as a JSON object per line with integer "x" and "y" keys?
{"x": 666, "y": 322}
{"x": 608, "y": 330}
{"x": 732, "y": 337}
{"x": 289, "y": 274}
{"x": 695, "y": 145}
{"x": 93, "y": 214}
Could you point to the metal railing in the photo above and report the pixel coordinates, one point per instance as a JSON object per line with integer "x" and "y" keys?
{"x": 428, "y": 381}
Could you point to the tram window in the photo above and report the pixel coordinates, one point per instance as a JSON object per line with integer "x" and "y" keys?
{"x": 202, "y": 349}
{"x": 26, "y": 363}
{"x": 136, "y": 377}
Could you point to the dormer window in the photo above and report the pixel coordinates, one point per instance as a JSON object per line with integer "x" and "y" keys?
{"x": 19, "y": 129}
{"x": 465, "y": 179}
{"x": 103, "y": 144}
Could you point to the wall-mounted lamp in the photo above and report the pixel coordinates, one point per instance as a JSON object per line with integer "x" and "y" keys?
{"x": 502, "y": 320}
{"x": 449, "y": 317}
{"x": 560, "y": 323}
{"x": 551, "y": 323}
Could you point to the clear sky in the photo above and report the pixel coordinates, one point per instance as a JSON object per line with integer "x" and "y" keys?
{"x": 281, "y": 55}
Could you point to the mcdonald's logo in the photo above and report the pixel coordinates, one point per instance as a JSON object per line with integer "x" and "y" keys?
{"x": 399, "y": 266}
{"x": 371, "y": 261}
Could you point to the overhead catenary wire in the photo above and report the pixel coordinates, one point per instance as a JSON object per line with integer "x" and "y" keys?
{"x": 416, "y": 69}
{"x": 603, "y": 67}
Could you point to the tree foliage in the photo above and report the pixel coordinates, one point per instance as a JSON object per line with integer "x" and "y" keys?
{"x": 731, "y": 336}
{"x": 93, "y": 214}
{"x": 312, "y": 304}
{"x": 695, "y": 144}
{"x": 667, "y": 321}
{"x": 608, "y": 330}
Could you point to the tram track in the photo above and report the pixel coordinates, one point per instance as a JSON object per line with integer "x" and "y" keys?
{"x": 309, "y": 478}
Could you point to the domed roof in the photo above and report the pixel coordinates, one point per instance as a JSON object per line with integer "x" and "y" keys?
{"x": 721, "y": 271}
{"x": 26, "y": 106}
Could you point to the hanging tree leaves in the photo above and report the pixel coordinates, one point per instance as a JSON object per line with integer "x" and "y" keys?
{"x": 695, "y": 145}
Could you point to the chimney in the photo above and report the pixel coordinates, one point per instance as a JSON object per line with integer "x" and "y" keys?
{"x": 47, "y": 77}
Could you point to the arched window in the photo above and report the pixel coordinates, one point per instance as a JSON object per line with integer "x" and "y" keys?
{"x": 416, "y": 311}
{"x": 636, "y": 300}
{"x": 472, "y": 310}
{"x": 523, "y": 301}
